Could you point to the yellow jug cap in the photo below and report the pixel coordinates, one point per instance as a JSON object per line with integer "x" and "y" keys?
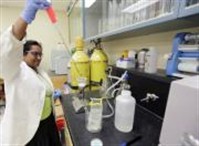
{"x": 125, "y": 53}
{"x": 79, "y": 43}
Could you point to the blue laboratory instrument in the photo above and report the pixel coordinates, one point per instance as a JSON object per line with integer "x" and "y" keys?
{"x": 185, "y": 55}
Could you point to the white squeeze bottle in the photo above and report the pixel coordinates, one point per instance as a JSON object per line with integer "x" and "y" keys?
{"x": 124, "y": 111}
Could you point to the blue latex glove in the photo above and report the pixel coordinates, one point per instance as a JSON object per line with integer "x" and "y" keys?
{"x": 31, "y": 8}
{"x": 56, "y": 94}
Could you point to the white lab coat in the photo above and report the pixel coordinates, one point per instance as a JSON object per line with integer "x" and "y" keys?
{"x": 25, "y": 94}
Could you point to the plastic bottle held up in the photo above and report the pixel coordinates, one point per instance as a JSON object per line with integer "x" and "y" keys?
{"x": 51, "y": 13}
{"x": 151, "y": 61}
{"x": 124, "y": 111}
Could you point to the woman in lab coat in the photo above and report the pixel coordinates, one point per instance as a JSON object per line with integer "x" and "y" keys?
{"x": 28, "y": 118}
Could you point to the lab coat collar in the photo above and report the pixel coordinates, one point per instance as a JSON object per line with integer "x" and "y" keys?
{"x": 40, "y": 71}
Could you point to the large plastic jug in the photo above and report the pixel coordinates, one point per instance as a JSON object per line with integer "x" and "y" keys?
{"x": 124, "y": 111}
{"x": 79, "y": 64}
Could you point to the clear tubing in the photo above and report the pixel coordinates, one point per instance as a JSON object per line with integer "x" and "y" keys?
{"x": 61, "y": 37}
{"x": 51, "y": 14}
{"x": 115, "y": 90}
{"x": 123, "y": 76}
{"x": 113, "y": 77}
{"x": 111, "y": 108}
{"x": 109, "y": 104}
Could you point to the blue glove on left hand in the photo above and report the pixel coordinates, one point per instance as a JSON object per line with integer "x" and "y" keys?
{"x": 31, "y": 8}
{"x": 56, "y": 94}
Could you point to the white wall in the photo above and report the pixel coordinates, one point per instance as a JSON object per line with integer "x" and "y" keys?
{"x": 41, "y": 29}
{"x": 162, "y": 41}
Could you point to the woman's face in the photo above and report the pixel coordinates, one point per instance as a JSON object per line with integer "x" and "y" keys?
{"x": 33, "y": 56}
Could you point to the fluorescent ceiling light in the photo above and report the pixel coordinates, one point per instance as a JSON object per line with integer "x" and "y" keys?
{"x": 141, "y": 4}
{"x": 89, "y": 3}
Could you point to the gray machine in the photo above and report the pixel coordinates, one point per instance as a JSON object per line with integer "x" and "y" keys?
{"x": 181, "y": 122}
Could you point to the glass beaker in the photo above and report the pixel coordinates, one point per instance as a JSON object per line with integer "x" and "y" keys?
{"x": 81, "y": 81}
{"x": 93, "y": 115}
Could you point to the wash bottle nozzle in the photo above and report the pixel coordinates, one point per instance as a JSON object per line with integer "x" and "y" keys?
{"x": 51, "y": 13}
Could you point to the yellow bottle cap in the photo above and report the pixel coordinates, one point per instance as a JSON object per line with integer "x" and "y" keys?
{"x": 125, "y": 54}
{"x": 79, "y": 43}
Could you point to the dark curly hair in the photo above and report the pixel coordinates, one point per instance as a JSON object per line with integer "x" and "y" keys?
{"x": 28, "y": 44}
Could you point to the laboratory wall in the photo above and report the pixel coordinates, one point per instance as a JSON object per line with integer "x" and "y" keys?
{"x": 41, "y": 29}
{"x": 161, "y": 41}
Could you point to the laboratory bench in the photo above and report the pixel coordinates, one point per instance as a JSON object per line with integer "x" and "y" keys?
{"x": 146, "y": 124}
{"x": 149, "y": 114}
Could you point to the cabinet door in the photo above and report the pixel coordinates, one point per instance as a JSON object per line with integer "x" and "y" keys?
{"x": 143, "y": 85}
{"x": 143, "y": 88}
{"x": 188, "y": 7}
{"x": 106, "y": 18}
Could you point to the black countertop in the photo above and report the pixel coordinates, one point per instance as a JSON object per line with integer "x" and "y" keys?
{"x": 146, "y": 124}
{"x": 160, "y": 75}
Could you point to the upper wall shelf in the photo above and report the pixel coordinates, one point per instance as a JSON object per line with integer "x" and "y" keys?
{"x": 110, "y": 19}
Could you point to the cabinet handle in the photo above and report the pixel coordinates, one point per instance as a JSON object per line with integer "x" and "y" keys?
{"x": 149, "y": 97}
{"x": 146, "y": 99}
{"x": 154, "y": 97}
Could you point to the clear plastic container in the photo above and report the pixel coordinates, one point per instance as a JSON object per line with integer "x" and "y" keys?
{"x": 124, "y": 111}
{"x": 93, "y": 114}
